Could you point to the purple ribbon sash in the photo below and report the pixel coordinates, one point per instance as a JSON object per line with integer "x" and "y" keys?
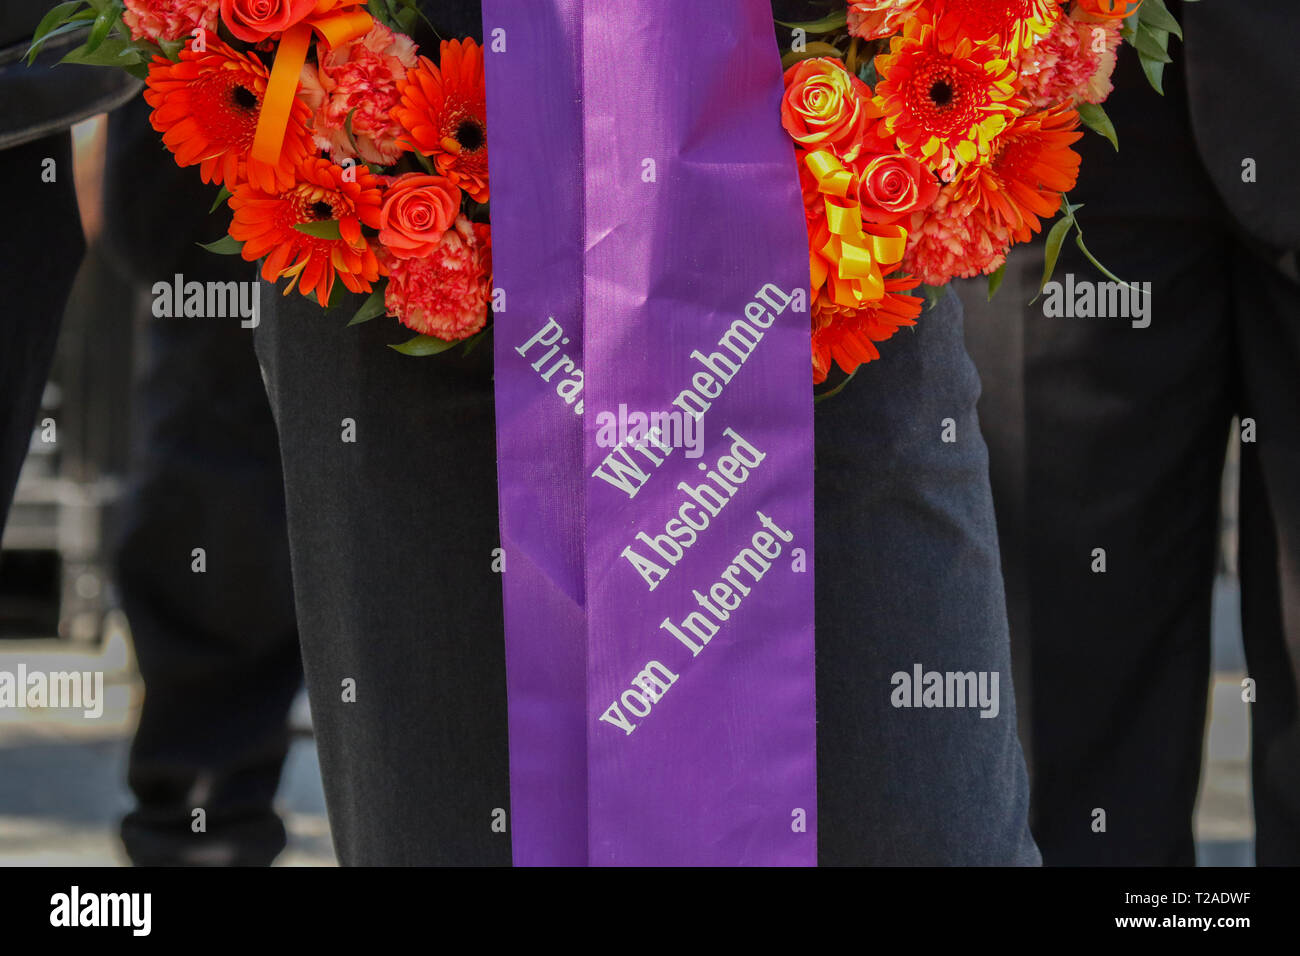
{"x": 654, "y": 434}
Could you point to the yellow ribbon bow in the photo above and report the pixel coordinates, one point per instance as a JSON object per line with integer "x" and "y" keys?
{"x": 856, "y": 253}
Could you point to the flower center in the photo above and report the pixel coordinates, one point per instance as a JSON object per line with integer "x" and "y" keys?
{"x": 470, "y": 135}
{"x": 243, "y": 97}
{"x": 945, "y": 97}
{"x": 941, "y": 93}
{"x": 321, "y": 210}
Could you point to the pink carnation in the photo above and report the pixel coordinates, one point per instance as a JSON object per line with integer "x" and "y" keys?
{"x": 444, "y": 294}
{"x": 157, "y": 20}
{"x": 954, "y": 240}
{"x": 873, "y": 19}
{"x": 1074, "y": 62}
{"x": 362, "y": 75}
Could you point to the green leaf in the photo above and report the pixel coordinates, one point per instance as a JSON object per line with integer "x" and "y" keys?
{"x": 1052, "y": 250}
{"x": 56, "y": 17}
{"x": 325, "y": 229}
{"x": 221, "y": 197}
{"x": 172, "y": 49}
{"x": 424, "y": 161}
{"x": 114, "y": 51}
{"x": 1095, "y": 118}
{"x": 1155, "y": 71}
{"x": 1128, "y": 31}
{"x": 816, "y": 48}
{"x": 423, "y": 345}
{"x": 139, "y": 70}
{"x": 995, "y": 280}
{"x": 372, "y": 308}
{"x": 347, "y": 128}
{"x": 225, "y": 246}
{"x": 933, "y": 295}
{"x": 38, "y": 45}
{"x": 1152, "y": 43}
{"x": 383, "y": 11}
{"x": 827, "y": 24}
{"x": 1154, "y": 13}
{"x": 336, "y": 296}
{"x": 99, "y": 30}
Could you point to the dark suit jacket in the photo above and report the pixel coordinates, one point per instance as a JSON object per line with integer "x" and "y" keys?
{"x": 1244, "y": 90}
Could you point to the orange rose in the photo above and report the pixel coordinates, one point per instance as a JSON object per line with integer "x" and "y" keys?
{"x": 418, "y": 209}
{"x": 892, "y": 187}
{"x": 1110, "y": 9}
{"x": 826, "y": 107}
{"x": 254, "y": 20}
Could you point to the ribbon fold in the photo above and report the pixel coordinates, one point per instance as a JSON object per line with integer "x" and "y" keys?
{"x": 335, "y": 27}
{"x": 857, "y": 251}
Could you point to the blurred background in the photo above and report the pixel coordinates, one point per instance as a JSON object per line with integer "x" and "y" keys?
{"x": 63, "y": 777}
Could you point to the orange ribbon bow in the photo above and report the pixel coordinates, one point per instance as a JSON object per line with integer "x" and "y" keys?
{"x": 336, "y": 26}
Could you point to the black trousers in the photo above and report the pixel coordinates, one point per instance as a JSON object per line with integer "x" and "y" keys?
{"x": 41, "y": 248}
{"x": 1113, "y": 437}
{"x": 217, "y": 649}
{"x": 390, "y": 477}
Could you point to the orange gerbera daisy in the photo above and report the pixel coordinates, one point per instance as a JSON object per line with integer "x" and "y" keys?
{"x": 1017, "y": 24}
{"x": 264, "y": 222}
{"x": 849, "y": 336}
{"x": 206, "y": 106}
{"x": 945, "y": 100}
{"x": 443, "y": 110}
{"x": 1032, "y": 164}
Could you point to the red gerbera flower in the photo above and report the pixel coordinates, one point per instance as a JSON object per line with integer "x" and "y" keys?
{"x": 443, "y": 110}
{"x": 1017, "y": 24}
{"x": 945, "y": 99}
{"x": 1032, "y": 164}
{"x": 264, "y": 222}
{"x": 848, "y": 336}
{"x": 207, "y": 105}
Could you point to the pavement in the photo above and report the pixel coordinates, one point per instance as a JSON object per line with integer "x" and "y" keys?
{"x": 63, "y": 777}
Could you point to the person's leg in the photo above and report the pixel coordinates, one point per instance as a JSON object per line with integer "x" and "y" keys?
{"x": 1268, "y": 330}
{"x": 390, "y": 479}
{"x": 995, "y": 337}
{"x": 41, "y": 248}
{"x": 908, "y": 576}
{"x": 1126, "y": 430}
{"x": 1119, "y": 460}
{"x": 218, "y": 649}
